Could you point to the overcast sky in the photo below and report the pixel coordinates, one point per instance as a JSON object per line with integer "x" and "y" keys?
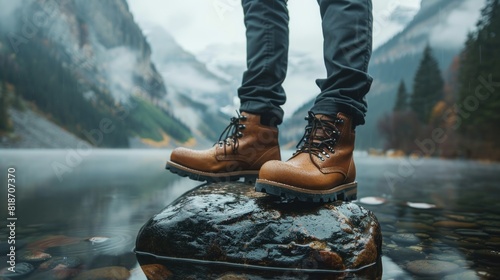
{"x": 196, "y": 24}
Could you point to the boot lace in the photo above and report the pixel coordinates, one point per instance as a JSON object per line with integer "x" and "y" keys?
{"x": 231, "y": 134}
{"x": 320, "y": 137}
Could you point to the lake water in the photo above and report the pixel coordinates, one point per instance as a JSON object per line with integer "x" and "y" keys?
{"x": 440, "y": 218}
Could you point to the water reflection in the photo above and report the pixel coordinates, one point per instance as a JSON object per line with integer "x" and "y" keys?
{"x": 106, "y": 197}
{"x": 109, "y": 194}
{"x": 200, "y": 270}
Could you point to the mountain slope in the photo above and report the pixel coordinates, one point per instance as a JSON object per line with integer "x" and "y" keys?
{"x": 196, "y": 94}
{"x": 87, "y": 66}
{"x": 399, "y": 57}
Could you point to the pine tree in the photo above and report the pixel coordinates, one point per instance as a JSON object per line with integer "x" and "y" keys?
{"x": 401, "y": 104}
{"x": 481, "y": 61}
{"x": 479, "y": 90}
{"x": 4, "y": 114}
{"x": 427, "y": 86}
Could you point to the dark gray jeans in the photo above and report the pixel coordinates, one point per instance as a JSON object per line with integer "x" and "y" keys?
{"x": 347, "y": 33}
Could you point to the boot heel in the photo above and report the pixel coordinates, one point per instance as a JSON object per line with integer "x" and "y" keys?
{"x": 250, "y": 179}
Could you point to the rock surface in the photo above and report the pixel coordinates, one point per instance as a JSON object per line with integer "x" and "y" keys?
{"x": 231, "y": 223}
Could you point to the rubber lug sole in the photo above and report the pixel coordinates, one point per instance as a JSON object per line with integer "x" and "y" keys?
{"x": 248, "y": 176}
{"x": 345, "y": 192}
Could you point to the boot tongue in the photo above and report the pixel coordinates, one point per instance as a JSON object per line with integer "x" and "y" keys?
{"x": 325, "y": 122}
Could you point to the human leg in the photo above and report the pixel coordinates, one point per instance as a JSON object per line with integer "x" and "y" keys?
{"x": 347, "y": 33}
{"x": 322, "y": 169}
{"x": 261, "y": 90}
{"x": 251, "y": 138}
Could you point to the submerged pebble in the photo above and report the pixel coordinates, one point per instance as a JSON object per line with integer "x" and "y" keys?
{"x": 401, "y": 253}
{"x": 156, "y": 271}
{"x": 52, "y": 241}
{"x": 454, "y": 224}
{"x": 471, "y": 275}
{"x": 21, "y": 269}
{"x": 415, "y": 226}
{"x": 105, "y": 273}
{"x": 34, "y": 256}
{"x": 405, "y": 238}
{"x": 232, "y": 276}
{"x": 492, "y": 230}
{"x": 461, "y": 218}
{"x": 488, "y": 254}
{"x": 431, "y": 267}
{"x": 489, "y": 223}
{"x": 472, "y": 233}
{"x": 60, "y": 263}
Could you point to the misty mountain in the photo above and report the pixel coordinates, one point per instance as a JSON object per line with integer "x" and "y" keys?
{"x": 86, "y": 67}
{"x": 228, "y": 61}
{"x": 197, "y": 96}
{"x": 443, "y": 24}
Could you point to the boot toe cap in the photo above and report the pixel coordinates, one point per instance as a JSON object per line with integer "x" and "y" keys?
{"x": 179, "y": 155}
{"x": 189, "y": 158}
{"x": 296, "y": 176}
{"x": 282, "y": 172}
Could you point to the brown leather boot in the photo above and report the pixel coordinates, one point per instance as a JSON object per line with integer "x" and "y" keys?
{"x": 322, "y": 169}
{"x": 244, "y": 146}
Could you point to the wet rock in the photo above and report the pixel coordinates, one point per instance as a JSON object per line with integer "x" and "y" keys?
{"x": 231, "y": 223}
{"x": 405, "y": 238}
{"x": 431, "y": 267}
{"x": 21, "y": 269}
{"x": 105, "y": 273}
